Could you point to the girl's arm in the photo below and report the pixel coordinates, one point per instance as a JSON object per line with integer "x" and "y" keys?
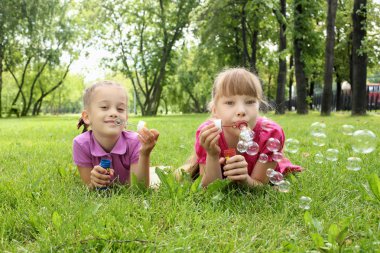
{"x": 259, "y": 174}
{"x": 208, "y": 138}
{"x": 148, "y": 139}
{"x": 211, "y": 170}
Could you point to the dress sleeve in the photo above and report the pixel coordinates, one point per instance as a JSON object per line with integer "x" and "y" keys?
{"x": 199, "y": 150}
{"x": 81, "y": 155}
{"x": 135, "y": 152}
{"x": 275, "y": 131}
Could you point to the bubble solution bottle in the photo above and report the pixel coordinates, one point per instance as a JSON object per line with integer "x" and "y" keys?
{"x": 105, "y": 164}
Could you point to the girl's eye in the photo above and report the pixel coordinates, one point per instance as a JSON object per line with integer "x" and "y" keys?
{"x": 121, "y": 109}
{"x": 103, "y": 107}
{"x": 250, "y": 102}
{"x": 229, "y": 102}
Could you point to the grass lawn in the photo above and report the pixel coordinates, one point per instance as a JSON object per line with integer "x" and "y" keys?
{"x": 45, "y": 208}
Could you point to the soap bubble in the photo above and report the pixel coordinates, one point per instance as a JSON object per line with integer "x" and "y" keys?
{"x": 354, "y": 163}
{"x": 276, "y": 177}
{"x": 363, "y": 141}
{"x": 332, "y": 154}
{"x": 305, "y": 203}
{"x": 247, "y": 134}
{"x": 317, "y": 128}
{"x": 348, "y": 129}
{"x": 277, "y": 156}
{"x": 253, "y": 148}
{"x": 269, "y": 172}
{"x": 242, "y": 146}
{"x": 263, "y": 158}
{"x": 292, "y": 145}
{"x": 319, "y": 140}
{"x": 318, "y": 158}
{"x": 273, "y": 144}
{"x": 283, "y": 186}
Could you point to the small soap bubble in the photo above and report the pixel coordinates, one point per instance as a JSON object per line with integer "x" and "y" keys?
{"x": 354, "y": 163}
{"x": 317, "y": 128}
{"x": 332, "y": 154}
{"x": 253, "y": 148}
{"x": 305, "y": 202}
{"x": 319, "y": 140}
{"x": 348, "y": 129}
{"x": 246, "y": 134}
{"x": 318, "y": 158}
{"x": 292, "y": 145}
{"x": 263, "y": 158}
{"x": 277, "y": 156}
{"x": 242, "y": 146}
{"x": 269, "y": 172}
{"x": 146, "y": 204}
{"x": 273, "y": 144}
{"x": 276, "y": 177}
{"x": 363, "y": 141}
{"x": 284, "y": 186}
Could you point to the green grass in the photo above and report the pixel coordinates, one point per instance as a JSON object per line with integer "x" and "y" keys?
{"x": 44, "y": 206}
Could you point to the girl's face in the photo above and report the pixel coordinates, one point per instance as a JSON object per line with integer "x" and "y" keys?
{"x": 234, "y": 109}
{"x": 107, "y": 103}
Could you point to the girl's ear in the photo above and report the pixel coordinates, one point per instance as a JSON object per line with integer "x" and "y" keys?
{"x": 85, "y": 117}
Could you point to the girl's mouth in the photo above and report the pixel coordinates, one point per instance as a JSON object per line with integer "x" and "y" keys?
{"x": 240, "y": 124}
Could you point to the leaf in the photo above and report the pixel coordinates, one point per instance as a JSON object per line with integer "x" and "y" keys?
{"x": 333, "y": 232}
{"x": 318, "y": 240}
{"x": 308, "y": 219}
{"x": 341, "y": 237}
{"x": 196, "y": 185}
{"x": 217, "y": 185}
{"x": 56, "y": 219}
{"x": 374, "y": 185}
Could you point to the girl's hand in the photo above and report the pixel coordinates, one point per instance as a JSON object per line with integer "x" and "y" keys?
{"x": 148, "y": 139}
{"x": 236, "y": 169}
{"x": 100, "y": 177}
{"x": 208, "y": 139}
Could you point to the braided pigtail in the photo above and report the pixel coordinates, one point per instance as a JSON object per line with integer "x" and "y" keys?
{"x": 81, "y": 123}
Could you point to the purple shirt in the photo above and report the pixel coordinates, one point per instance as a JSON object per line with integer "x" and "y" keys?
{"x": 262, "y": 134}
{"x": 87, "y": 153}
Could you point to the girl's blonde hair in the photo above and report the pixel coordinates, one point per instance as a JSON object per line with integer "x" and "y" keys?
{"x": 236, "y": 81}
{"x": 87, "y": 98}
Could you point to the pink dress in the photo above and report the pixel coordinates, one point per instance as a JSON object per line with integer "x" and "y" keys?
{"x": 264, "y": 129}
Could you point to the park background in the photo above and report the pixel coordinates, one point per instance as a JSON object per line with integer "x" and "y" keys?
{"x": 167, "y": 54}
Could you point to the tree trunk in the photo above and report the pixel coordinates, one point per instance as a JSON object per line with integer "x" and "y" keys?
{"x": 359, "y": 59}
{"x": 1, "y": 78}
{"x": 301, "y": 79}
{"x": 291, "y": 73}
{"x": 329, "y": 59}
{"x": 281, "y": 77}
{"x": 338, "y": 92}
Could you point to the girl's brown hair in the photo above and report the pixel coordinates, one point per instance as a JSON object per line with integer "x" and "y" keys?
{"x": 87, "y": 98}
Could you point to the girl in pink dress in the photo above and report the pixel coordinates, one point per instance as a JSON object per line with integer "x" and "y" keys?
{"x": 236, "y": 96}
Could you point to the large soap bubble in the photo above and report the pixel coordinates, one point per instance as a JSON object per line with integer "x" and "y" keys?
{"x": 363, "y": 141}
{"x": 354, "y": 163}
{"x": 273, "y": 144}
{"x": 348, "y": 129}
{"x": 292, "y": 145}
{"x": 317, "y": 128}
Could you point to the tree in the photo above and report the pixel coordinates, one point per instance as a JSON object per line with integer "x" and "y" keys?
{"x": 9, "y": 18}
{"x": 329, "y": 58}
{"x": 359, "y": 58}
{"x": 46, "y": 31}
{"x": 143, "y": 37}
{"x": 282, "y": 70}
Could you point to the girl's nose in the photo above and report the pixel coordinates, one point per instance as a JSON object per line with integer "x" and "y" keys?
{"x": 241, "y": 114}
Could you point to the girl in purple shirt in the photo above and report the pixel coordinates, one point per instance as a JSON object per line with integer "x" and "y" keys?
{"x": 236, "y": 96}
{"x": 105, "y": 112}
